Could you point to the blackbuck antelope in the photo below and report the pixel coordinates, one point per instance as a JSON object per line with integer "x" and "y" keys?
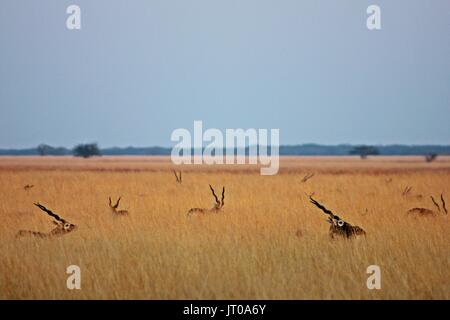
{"x": 217, "y": 206}
{"x": 339, "y": 227}
{"x": 177, "y": 176}
{"x": 407, "y": 191}
{"x": 114, "y": 208}
{"x": 424, "y": 212}
{"x": 62, "y": 226}
{"x": 307, "y": 177}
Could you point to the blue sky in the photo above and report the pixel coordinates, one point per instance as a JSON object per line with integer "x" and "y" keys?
{"x": 139, "y": 69}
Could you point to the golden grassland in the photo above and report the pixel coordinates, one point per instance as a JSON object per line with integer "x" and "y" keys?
{"x": 268, "y": 243}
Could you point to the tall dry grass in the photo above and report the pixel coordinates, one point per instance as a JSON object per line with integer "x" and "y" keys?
{"x": 268, "y": 243}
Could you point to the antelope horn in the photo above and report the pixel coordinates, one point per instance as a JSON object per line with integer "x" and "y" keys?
{"x": 176, "y": 176}
{"x": 49, "y": 212}
{"x": 214, "y": 194}
{"x": 223, "y": 195}
{"x": 443, "y": 204}
{"x": 435, "y": 203}
{"x": 117, "y": 203}
{"x": 321, "y": 207}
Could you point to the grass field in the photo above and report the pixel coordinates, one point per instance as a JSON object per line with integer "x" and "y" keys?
{"x": 268, "y": 243}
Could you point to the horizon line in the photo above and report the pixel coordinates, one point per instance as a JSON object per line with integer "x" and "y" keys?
{"x": 269, "y": 145}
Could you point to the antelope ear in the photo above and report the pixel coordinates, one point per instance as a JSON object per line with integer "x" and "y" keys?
{"x": 55, "y": 222}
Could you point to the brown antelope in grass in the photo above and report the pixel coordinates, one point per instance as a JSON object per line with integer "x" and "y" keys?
{"x": 62, "y": 226}
{"x": 339, "y": 227}
{"x": 407, "y": 191}
{"x": 307, "y": 177}
{"x": 217, "y": 206}
{"x": 114, "y": 208}
{"x": 424, "y": 212}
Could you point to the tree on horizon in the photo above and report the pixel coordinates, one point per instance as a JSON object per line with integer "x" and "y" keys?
{"x": 364, "y": 151}
{"x": 86, "y": 150}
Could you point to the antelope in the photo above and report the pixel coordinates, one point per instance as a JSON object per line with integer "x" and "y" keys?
{"x": 424, "y": 212}
{"x": 338, "y": 226}
{"x": 406, "y": 191}
{"x": 28, "y": 187}
{"x": 62, "y": 226}
{"x": 177, "y": 176}
{"x": 307, "y": 177}
{"x": 216, "y": 208}
{"x": 430, "y": 157}
{"x": 114, "y": 208}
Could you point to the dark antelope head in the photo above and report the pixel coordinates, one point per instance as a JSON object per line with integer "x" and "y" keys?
{"x": 338, "y": 226}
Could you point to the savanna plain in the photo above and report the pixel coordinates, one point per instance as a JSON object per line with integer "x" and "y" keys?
{"x": 268, "y": 241}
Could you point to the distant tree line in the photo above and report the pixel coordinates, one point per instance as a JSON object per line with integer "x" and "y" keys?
{"x": 429, "y": 152}
{"x": 46, "y": 150}
{"x": 81, "y": 150}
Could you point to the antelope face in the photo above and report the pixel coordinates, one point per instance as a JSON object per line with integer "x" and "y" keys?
{"x": 65, "y": 226}
{"x": 339, "y": 223}
{"x": 69, "y": 227}
{"x": 341, "y": 228}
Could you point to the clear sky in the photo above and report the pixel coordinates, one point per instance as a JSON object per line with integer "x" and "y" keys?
{"x": 139, "y": 69}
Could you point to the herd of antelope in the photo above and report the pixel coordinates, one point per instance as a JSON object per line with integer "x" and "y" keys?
{"x": 338, "y": 228}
